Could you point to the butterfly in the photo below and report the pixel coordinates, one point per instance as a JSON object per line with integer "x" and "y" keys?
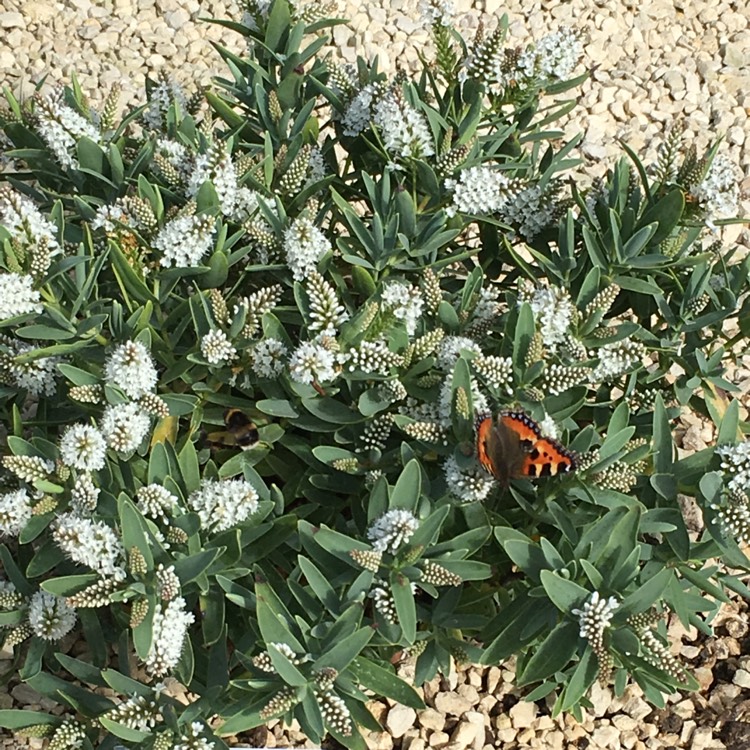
{"x": 512, "y": 445}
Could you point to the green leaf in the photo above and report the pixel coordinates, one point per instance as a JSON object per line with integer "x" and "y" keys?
{"x": 345, "y": 650}
{"x": 213, "y": 607}
{"x": 563, "y": 593}
{"x": 134, "y": 530}
{"x": 330, "y": 410}
{"x": 279, "y": 24}
{"x": 285, "y": 669}
{"x": 143, "y": 633}
{"x": 663, "y": 446}
{"x": 555, "y": 651}
{"x": 406, "y": 609}
{"x": 582, "y": 679}
{"x": 524, "y": 333}
{"x": 309, "y": 716}
{"x": 13, "y": 572}
{"x": 190, "y": 568}
{"x": 77, "y": 376}
{"x": 614, "y": 442}
{"x": 666, "y": 212}
{"x": 639, "y": 240}
{"x": 517, "y": 624}
{"x": 17, "y": 718}
{"x": 88, "y": 703}
{"x": 46, "y": 558}
{"x": 123, "y": 732}
{"x": 702, "y": 582}
{"x": 469, "y": 570}
{"x": 276, "y": 407}
{"x": 526, "y": 555}
{"x": 130, "y": 283}
{"x": 448, "y": 316}
{"x": 81, "y": 670}
{"x": 125, "y": 685}
{"x": 384, "y": 682}
{"x": 337, "y": 543}
{"x": 274, "y": 619}
{"x": 408, "y": 487}
{"x": 429, "y": 529}
{"x": 68, "y": 585}
{"x": 319, "y": 584}
{"x": 327, "y": 454}
{"x": 729, "y": 425}
{"x": 711, "y": 485}
{"x": 189, "y": 468}
{"x": 44, "y": 333}
{"x": 647, "y": 595}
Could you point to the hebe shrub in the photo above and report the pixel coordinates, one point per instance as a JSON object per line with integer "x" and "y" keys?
{"x": 363, "y": 266}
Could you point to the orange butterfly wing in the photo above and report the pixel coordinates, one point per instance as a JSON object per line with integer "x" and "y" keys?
{"x": 483, "y": 427}
{"x": 547, "y": 459}
{"x": 513, "y": 446}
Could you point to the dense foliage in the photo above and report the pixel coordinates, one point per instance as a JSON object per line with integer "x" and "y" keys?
{"x": 365, "y": 267}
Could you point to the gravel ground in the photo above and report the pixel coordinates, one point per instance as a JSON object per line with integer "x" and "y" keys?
{"x": 657, "y": 63}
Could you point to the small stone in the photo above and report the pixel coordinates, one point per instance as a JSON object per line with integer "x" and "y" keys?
{"x": 176, "y": 19}
{"x": 594, "y": 149}
{"x": 469, "y": 692}
{"x": 637, "y": 708}
{"x": 431, "y": 689}
{"x": 624, "y": 723}
{"x": 506, "y": 736}
{"x": 431, "y": 719}
{"x": 486, "y": 704}
{"x": 684, "y": 709}
{"x": 523, "y": 714}
{"x": 408, "y": 25}
{"x": 705, "y": 677}
{"x": 502, "y": 722}
{"x": 378, "y": 15}
{"x": 400, "y": 718}
{"x": 7, "y": 61}
{"x": 25, "y": 695}
{"x": 12, "y": 19}
{"x": 702, "y": 738}
{"x": 89, "y": 29}
{"x": 734, "y": 55}
{"x": 475, "y": 678}
{"x": 38, "y": 12}
{"x": 105, "y": 41}
{"x": 544, "y": 723}
{"x": 451, "y": 703}
{"x": 554, "y": 740}
{"x": 736, "y": 135}
{"x": 742, "y": 678}
{"x": 438, "y": 739}
{"x": 378, "y": 740}
{"x": 723, "y": 697}
{"x": 464, "y": 734}
{"x": 688, "y": 728}
{"x": 492, "y": 679}
{"x": 601, "y": 698}
{"x": 606, "y": 736}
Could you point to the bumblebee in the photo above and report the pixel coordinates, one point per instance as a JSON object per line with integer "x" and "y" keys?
{"x": 240, "y": 431}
